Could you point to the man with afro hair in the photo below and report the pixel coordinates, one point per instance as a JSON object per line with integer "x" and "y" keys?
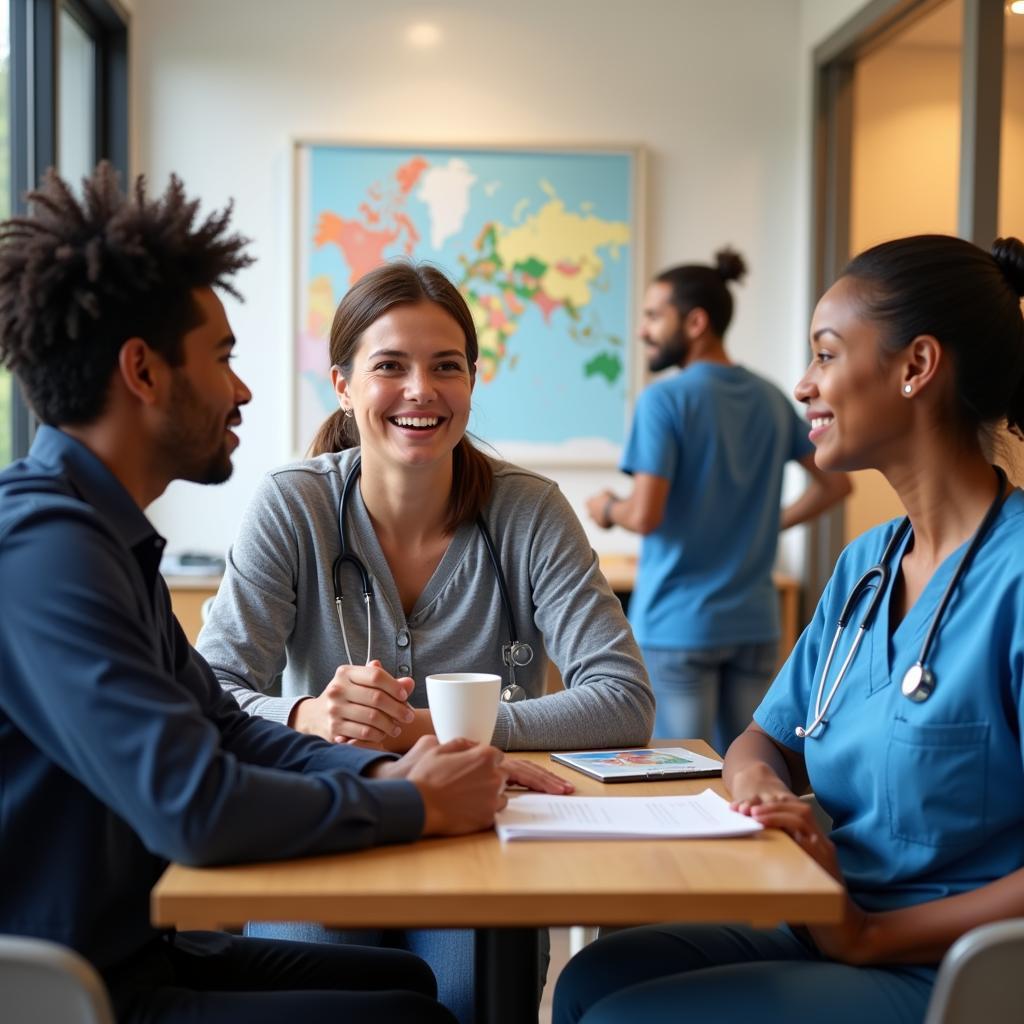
{"x": 118, "y": 750}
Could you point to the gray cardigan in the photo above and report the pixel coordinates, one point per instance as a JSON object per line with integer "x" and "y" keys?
{"x": 273, "y": 635}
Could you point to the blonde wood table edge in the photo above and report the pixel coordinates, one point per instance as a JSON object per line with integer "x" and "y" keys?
{"x": 476, "y": 881}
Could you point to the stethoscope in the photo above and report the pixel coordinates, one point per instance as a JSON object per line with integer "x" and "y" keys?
{"x": 919, "y": 680}
{"x": 515, "y": 654}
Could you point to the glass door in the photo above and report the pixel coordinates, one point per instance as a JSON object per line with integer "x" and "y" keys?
{"x": 905, "y": 156}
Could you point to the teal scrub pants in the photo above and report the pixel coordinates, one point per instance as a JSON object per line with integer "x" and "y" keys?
{"x": 730, "y": 975}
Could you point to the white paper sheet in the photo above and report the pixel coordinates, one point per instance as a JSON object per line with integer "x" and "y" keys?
{"x": 540, "y": 816}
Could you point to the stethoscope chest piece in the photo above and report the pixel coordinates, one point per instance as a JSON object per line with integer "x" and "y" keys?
{"x": 517, "y": 653}
{"x": 918, "y": 683}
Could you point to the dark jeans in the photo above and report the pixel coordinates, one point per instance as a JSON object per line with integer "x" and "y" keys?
{"x": 206, "y": 977}
{"x": 730, "y": 975}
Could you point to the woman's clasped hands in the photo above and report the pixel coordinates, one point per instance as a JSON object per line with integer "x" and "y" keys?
{"x": 362, "y": 704}
{"x": 774, "y": 805}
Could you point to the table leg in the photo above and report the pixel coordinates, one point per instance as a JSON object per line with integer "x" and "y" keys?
{"x": 507, "y": 975}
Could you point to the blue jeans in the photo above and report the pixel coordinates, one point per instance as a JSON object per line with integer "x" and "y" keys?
{"x": 448, "y": 952}
{"x": 730, "y": 975}
{"x": 709, "y": 693}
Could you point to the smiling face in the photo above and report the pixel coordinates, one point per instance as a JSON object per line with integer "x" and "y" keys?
{"x": 852, "y": 388}
{"x": 409, "y": 386}
{"x": 662, "y": 329}
{"x": 204, "y": 399}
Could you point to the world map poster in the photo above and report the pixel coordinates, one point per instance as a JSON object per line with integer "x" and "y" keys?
{"x": 541, "y": 244}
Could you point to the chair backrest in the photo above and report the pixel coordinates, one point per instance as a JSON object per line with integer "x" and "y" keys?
{"x": 43, "y": 981}
{"x": 981, "y": 978}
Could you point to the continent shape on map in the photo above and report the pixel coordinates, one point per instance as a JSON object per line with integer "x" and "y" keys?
{"x": 382, "y": 222}
{"x": 445, "y": 193}
{"x": 551, "y": 260}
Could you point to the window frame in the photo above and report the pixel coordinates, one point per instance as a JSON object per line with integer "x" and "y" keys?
{"x": 33, "y": 91}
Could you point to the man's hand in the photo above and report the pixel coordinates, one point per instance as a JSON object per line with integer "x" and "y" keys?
{"x": 462, "y": 783}
{"x": 598, "y": 507}
{"x": 362, "y": 703}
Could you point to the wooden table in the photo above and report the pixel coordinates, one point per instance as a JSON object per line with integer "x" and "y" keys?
{"x": 508, "y": 890}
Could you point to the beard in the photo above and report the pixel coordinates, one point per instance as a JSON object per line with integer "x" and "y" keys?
{"x": 195, "y": 443}
{"x": 671, "y": 352}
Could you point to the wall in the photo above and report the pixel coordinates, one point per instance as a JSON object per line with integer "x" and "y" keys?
{"x": 715, "y": 91}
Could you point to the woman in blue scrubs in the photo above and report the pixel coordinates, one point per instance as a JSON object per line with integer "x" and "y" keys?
{"x": 918, "y": 357}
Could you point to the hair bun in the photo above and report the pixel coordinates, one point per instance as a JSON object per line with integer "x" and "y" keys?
{"x": 1009, "y": 256}
{"x": 730, "y": 264}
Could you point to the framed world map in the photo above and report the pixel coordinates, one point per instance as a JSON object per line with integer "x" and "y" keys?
{"x": 543, "y": 244}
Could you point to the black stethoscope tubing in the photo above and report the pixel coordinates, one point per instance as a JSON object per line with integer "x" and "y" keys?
{"x": 514, "y": 653}
{"x": 919, "y": 680}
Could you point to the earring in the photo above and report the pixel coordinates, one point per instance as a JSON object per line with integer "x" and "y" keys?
{"x": 907, "y": 389}
{"x": 347, "y": 413}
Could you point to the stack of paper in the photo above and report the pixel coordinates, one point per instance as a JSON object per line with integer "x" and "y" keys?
{"x": 540, "y": 816}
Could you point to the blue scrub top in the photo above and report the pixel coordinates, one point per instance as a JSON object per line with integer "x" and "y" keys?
{"x": 721, "y": 436}
{"x": 927, "y": 799}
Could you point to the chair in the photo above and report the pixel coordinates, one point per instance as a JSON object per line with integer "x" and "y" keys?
{"x": 981, "y": 977}
{"x": 42, "y": 981}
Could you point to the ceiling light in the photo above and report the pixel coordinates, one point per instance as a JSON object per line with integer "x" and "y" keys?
{"x": 1017, "y": 7}
{"x": 423, "y": 36}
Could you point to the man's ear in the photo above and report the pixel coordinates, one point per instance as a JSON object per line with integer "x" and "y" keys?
{"x": 696, "y": 322}
{"x": 142, "y": 370}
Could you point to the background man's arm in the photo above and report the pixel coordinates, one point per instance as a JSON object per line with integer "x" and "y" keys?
{"x": 823, "y": 490}
{"x": 641, "y": 512}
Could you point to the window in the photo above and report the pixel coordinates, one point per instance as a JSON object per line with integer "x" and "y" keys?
{"x": 76, "y": 106}
{"x": 64, "y": 81}
{"x": 6, "y": 412}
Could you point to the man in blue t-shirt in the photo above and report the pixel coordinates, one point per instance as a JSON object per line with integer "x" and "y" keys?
{"x": 707, "y": 452}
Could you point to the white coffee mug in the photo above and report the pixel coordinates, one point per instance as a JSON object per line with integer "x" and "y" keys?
{"x": 463, "y": 704}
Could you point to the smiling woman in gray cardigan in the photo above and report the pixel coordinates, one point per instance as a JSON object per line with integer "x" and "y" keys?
{"x": 404, "y": 352}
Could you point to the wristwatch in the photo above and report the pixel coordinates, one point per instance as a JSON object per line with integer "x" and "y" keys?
{"x": 607, "y": 515}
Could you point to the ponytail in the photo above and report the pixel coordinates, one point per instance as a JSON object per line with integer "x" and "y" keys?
{"x": 472, "y": 480}
{"x": 696, "y": 285}
{"x": 336, "y": 433}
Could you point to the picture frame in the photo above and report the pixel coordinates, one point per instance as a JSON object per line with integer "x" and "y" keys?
{"x": 545, "y": 244}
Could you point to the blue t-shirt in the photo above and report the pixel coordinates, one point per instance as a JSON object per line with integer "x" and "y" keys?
{"x": 927, "y": 799}
{"x": 721, "y": 436}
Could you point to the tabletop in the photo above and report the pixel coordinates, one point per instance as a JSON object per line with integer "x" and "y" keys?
{"x": 478, "y": 881}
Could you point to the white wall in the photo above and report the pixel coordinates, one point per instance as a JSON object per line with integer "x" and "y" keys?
{"x": 717, "y": 90}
